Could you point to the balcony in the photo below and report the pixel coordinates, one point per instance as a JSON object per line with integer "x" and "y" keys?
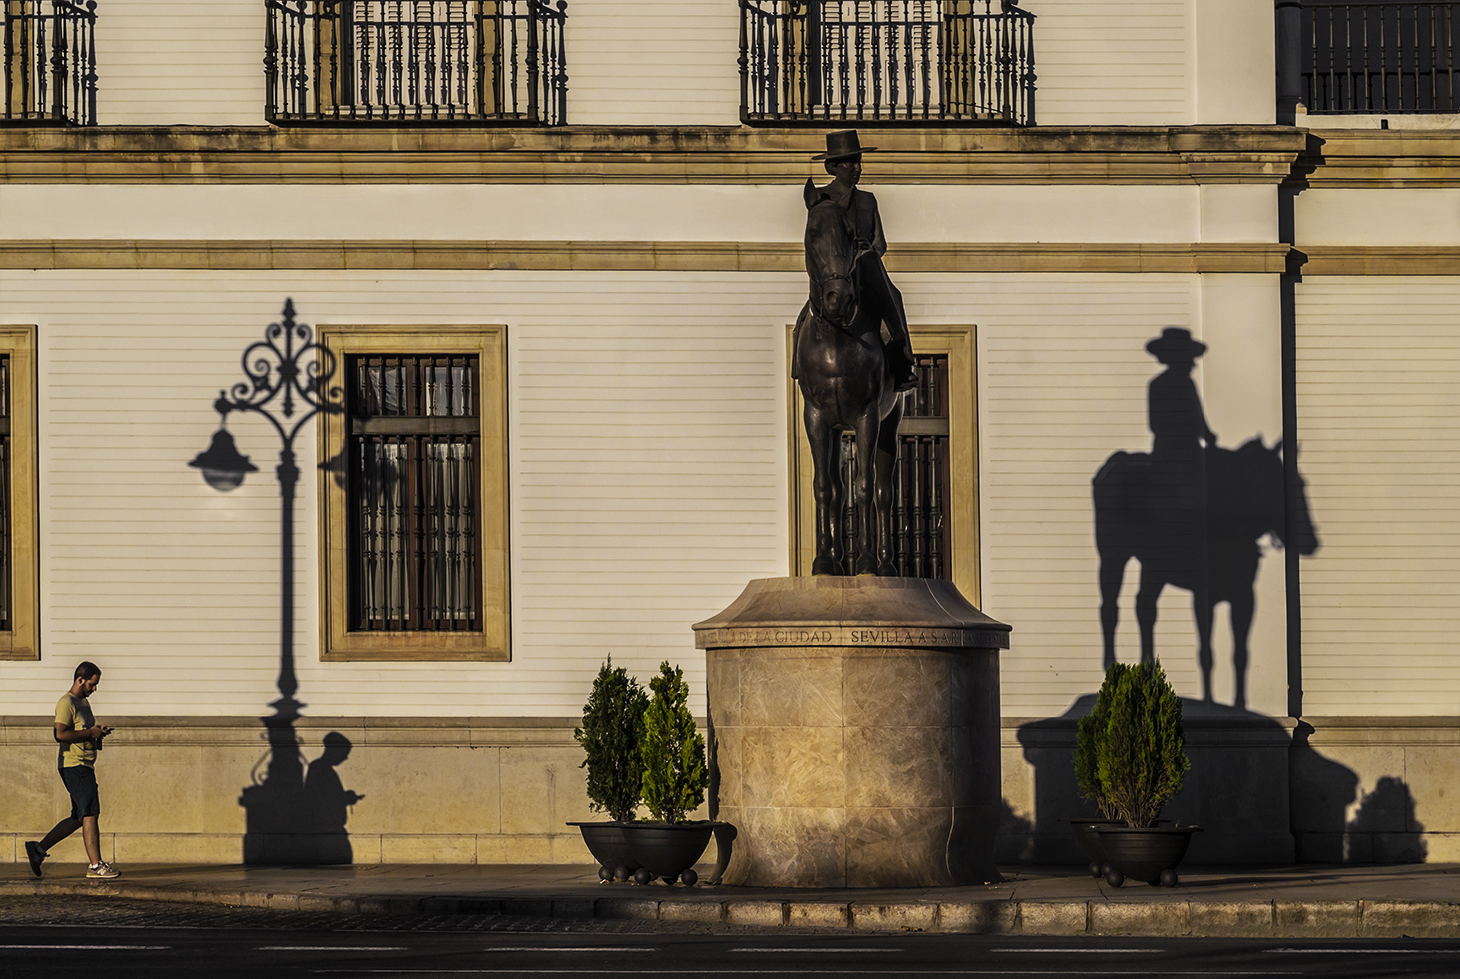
{"x": 50, "y": 62}
{"x": 1381, "y": 57}
{"x": 886, "y": 61}
{"x": 410, "y": 62}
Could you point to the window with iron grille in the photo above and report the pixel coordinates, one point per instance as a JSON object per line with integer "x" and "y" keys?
{"x": 918, "y": 61}
{"x": 920, "y": 525}
{"x": 416, "y": 61}
{"x": 413, "y": 459}
{"x": 1378, "y": 57}
{"x": 50, "y": 62}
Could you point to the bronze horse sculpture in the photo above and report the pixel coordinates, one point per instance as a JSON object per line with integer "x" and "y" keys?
{"x": 847, "y": 384}
{"x": 1205, "y": 542}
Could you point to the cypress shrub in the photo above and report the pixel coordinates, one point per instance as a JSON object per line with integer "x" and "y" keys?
{"x": 1087, "y": 737}
{"x": 1139, "y": 748}
{"x": 673, "y": 750}
{"x": 611, "y": 736}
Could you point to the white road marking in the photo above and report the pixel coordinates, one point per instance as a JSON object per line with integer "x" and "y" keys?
{"x": 572, "y": 948}
{"x": 332, "y": 948}
{"x": 1365, "y": 951}
{"x": 791, "y": 972}
{"x": 90, "y": 948}
{"x": 814, "y": 951}
{"x": 1080, "y": 951}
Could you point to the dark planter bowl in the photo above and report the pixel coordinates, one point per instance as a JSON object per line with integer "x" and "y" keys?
{"x": 668, "y": 850}
{"x": 1087, "y": 834}
{"x": 605, "y": 840}
{"x": 1151, "y": 854}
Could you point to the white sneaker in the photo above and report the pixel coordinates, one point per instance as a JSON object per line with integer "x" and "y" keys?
{"x": 103, "y": 871}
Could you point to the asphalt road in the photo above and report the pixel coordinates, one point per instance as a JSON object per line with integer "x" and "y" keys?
{"x": 29, "y": 952}
{"x": 120, "y": 940}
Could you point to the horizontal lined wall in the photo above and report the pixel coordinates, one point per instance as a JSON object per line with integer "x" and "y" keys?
{"x": 625, "y": 529}
{"x": 654, "y": 62}
{"x": 649, "y": 461}
{"x": 1104, "y": 63}
{"x": 1378, "y": 407}
{"x": 176, "y": 62}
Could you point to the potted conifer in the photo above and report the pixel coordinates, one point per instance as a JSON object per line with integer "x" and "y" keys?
{"x": 1087, "y": 778}
{"x": 674, "y": 780}
{"x": 611, "y": 736}
{"x": 1135, "y": 742}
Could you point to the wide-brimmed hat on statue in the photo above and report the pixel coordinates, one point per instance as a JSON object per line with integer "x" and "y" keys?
{"x": 842, "y": 145}
{"x": 1175, "y": 343}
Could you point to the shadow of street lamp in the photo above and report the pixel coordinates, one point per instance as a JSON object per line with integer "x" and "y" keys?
{"x": 287, "y": 374}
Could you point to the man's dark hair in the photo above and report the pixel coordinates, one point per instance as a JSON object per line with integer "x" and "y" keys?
{"x": 86, "y": 670}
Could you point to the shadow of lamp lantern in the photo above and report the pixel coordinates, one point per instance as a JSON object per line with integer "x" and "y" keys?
{"x": 222, "y": 464}
{"x": 286, "y": 378}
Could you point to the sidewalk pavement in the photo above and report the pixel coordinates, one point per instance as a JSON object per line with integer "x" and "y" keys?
{"x": 1309, "y": 901}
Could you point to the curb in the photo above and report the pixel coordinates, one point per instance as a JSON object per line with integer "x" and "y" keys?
{"x": 1169, "y": 918}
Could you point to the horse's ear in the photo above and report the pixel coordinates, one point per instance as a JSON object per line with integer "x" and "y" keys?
{"x": 809, "y": 193}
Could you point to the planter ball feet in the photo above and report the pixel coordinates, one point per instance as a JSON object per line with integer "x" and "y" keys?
{"x": 642, "y": 876}
{"x": 1114, "y": 877}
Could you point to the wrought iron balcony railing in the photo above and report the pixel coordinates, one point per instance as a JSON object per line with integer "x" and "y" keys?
{"x": 50, "y": 62}
{"x": 917, "y": 61}
{"x": 416, "y": 61}
{"x": 1379, "y": 57}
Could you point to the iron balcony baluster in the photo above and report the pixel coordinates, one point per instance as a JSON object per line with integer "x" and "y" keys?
{"x": 427, "y": 61}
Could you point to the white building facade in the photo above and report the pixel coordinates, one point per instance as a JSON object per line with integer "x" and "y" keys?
{"x": 622, "y": 282}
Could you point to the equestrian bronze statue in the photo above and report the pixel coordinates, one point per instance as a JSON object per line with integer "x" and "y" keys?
{"x": 851, "y": 379}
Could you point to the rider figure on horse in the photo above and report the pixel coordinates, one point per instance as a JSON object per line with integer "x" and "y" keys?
{"x": 843, "y": 160}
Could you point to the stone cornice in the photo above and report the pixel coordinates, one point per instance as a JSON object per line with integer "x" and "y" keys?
{"x": 661, "y": 154}
{"x": 1379, "y": 159}
{"x": 666, "y": 256}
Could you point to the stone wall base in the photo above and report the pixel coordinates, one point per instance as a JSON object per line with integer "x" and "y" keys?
{"x": 499, "y": 790}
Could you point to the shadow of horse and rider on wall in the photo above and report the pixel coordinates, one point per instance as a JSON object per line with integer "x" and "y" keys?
{"x": 1194, "y": 515}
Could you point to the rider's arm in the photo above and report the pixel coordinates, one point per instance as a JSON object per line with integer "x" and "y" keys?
{"x": 879, "y": 243}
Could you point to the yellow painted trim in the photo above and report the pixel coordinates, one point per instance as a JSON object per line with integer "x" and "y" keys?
{"x": 658, "y": 256}
{"x": 960, "y": 344}
{"x": 22, "y": 642}
{"x": 492, "y": 644}
{"x": 632, "y": 154}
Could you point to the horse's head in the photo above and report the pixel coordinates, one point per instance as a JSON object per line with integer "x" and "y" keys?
{"x": 829, "y": 257}
{"x": 1302, "y": 535}
{"x": 1282, "y": 508}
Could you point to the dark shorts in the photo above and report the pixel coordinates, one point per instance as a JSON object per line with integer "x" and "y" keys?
{"x": 81, "y": 783}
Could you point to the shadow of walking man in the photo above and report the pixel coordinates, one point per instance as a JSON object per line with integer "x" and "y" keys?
{"x": 299, "y": 816}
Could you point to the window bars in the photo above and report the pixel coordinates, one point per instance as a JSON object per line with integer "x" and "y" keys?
{"x": 414, "y": 460}
{"x": 416, "y": 61}
{"x": 1379, "y": 57}
{"x": 920, "y": 525}
{"x": 917, "y": 61}
{"x": 50, "y": 62}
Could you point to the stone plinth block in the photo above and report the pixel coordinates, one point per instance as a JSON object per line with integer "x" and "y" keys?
{"x": 854, "y": 732}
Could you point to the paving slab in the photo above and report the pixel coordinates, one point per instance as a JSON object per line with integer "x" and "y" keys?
{"x": 1306, "y": 901}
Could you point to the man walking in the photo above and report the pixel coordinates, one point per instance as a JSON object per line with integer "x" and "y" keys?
{"x": 79, "y": 737}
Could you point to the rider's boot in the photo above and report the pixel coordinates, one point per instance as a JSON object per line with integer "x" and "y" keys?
{"x": 901, "y": 363}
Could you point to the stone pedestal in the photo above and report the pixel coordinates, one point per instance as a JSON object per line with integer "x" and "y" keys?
{"x": 855, "y": 732}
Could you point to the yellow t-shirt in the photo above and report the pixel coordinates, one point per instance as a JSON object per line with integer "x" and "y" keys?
{"x": 75, "y": 713}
